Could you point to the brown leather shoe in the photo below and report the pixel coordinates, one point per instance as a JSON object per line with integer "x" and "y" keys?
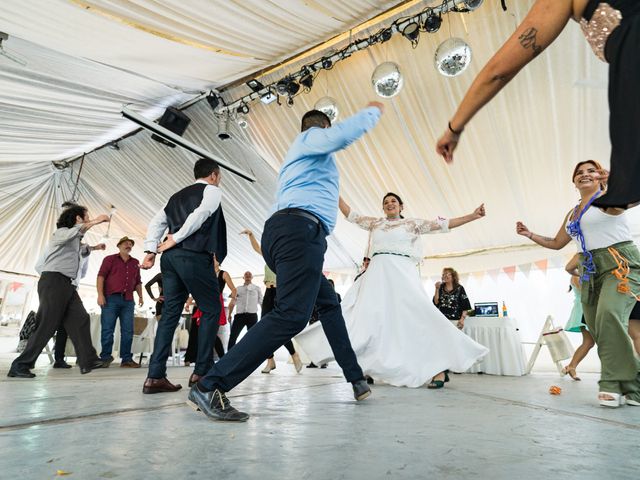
{"x": 130, "y": 364}
{"x": 193, "y": 379}
{"x": 159, "y": 385}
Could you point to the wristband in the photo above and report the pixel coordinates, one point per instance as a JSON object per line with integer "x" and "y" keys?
{"x": 453, "y": 131}
{"x": 149, "y": 252}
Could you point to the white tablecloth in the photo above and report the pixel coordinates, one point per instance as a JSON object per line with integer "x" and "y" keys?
{"x": 500, "y": 335}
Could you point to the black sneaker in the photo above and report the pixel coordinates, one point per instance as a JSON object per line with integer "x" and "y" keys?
{"x": 361, "y": 390}
{"x": 214, "y": 405}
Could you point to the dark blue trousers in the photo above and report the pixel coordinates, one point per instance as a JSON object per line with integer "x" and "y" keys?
{"x": 293, "y": 247}
{"x": 185, "y": 272}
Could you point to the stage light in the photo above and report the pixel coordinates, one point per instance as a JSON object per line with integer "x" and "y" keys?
{"x": 255, "y": 85}
{"x": 268, "y": 97}
{"x": 433, "y": 22}
{"x": 327, "y": 63}
{"x": 223, "y": 127}
{"x": 242, "y": 122}
{"x": 307, "y": 81}
{"x": 472, "y": 4}
{"x": 412, "y": 32}
{"x": 213, "y": 101}
{"x": 243, "y": 109}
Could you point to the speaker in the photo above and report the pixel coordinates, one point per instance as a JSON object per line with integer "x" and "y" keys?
{"x": 174, "y": 120}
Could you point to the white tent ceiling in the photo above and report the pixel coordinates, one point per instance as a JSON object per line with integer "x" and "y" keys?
{"x": 84, "y": 60}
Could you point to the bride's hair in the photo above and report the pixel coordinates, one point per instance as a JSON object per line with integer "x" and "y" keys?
{"x": 396, "y": 196}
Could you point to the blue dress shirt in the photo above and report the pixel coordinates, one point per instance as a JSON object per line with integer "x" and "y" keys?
{"x": 309, "y": 177}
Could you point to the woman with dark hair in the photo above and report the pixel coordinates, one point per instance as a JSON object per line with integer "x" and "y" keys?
{"x": 398, "y": 335}
{"x": 612, "y": 28}
{"x": 451, "y": 298}
{"x": 609, "y": 273}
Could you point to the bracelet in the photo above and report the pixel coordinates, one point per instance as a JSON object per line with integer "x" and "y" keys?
{"x": 149, "y": 252}
{"x": 530, "y": 235}
{"x": 453, "y": 131}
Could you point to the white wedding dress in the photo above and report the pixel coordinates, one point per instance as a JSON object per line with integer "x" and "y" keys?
{"x": 397, "y": 333}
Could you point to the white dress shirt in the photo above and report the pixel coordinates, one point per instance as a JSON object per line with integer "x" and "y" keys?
{"x": 211, "y": 198}
{"x": 247, "y": 299}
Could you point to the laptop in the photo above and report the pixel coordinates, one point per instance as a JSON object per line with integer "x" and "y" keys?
{"x": 486, "y": 309}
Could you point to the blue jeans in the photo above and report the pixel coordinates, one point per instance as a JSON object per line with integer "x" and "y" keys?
{"x": 293, "y": 247}
{"x": 117, "y": 307}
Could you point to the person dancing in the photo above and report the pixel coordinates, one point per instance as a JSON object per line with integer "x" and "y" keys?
{"x": 398, "y": 334}
{"x": 612, "y": 27}
{"x": 610, "y": 262}
{"x": 293, "y": 246}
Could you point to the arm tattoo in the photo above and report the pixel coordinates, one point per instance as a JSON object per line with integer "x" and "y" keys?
{"x": 528, "y": 40}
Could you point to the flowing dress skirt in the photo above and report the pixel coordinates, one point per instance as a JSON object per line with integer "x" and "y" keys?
{"x": 398, "y": 334}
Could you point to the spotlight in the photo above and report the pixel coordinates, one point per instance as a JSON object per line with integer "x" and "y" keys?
{"x": 290, "y": 101}
{"x": 307, "y": 81}
{"x": 472, "y": 4}
{"x": 243, "y": 109}
{"x": 287, "y": 86}
{"x": 268, "y": 97}
{"x": 223, "y": 127}
{"x": 411, "y": 32}
{"x": 213, "y": 101}
{"x": 242, "y": 122}
{"x": 385, "y": 35}
{"x": 433, "y": 22}
{"x": 255, "y": 85}
{"x": 114, "y": 145}
{"x": 327, "y": 63}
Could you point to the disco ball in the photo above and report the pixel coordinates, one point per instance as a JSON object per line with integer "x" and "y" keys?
{"x": 452, "y": 57}
{"x": 329, "y": 107}
{"x": 387, "y": 80}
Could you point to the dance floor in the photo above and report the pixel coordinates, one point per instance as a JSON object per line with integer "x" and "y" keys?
{"x": 308, "y": 426}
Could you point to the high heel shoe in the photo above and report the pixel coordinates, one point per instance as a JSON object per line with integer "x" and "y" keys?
{"x": 271, "y": 365}
{"x": 571, "y": 372}
{"x": 297, "y": 363}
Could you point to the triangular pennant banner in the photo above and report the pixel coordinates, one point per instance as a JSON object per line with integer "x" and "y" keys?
{"x": 494, "y": 273}
{"x": 557, "y": 262}
{"x": 525, "y": 268}
{"x": 510, "y": 271}
{"x": 542, "y": 265}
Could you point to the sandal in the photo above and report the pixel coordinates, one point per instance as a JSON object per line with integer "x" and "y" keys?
{"x": 435, "y": 384}
{"x": 615, "y": 400}
{"x": 630, "y": 401}
{"x": 572, "y": 373}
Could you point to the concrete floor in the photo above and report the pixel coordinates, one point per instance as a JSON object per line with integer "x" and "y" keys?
{"x": 309, "y": 427}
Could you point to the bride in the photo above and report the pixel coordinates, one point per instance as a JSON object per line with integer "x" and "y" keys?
{"x": 398, "y": 335}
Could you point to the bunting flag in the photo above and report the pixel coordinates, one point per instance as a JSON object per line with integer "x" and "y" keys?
{"x": 525, "y": 268}
{"x": 542, "y": 265}
{"x": 494, "y": 273}
{"x": 15, "y": 286}
{"x": 557, "y": 262}
{"x": 478, "y": 276}
{"x": 510, "y": 271}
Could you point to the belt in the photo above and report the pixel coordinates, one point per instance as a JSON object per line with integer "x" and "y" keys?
{"x": 391, "y": 253}
{"x": 300, "y": 213}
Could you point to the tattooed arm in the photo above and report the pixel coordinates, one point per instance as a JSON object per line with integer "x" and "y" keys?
{"x": 541, "y": 26}
{"x": 561, "y": 239}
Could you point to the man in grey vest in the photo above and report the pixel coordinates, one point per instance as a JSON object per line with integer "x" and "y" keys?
{"x": 196, "y": 233}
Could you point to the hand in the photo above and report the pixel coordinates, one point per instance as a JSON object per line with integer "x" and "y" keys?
{"x": 167, "y": 244}
{"x": 160, "y": 299}
{"x": 187, "y": 308}
{"x": 447, "y": 144}
{"x": 521, "y": 229}
{"x": 140, "y": 301}
{"x": 246, "y": 231}
{"x": 102, "y": 218}
{"x": 479, "y": 212}
{"x": 101, "y": 300}
{"x": 602, "y": 176}
{"x": 100, "y": 246}
{"x": 378, "y": 105}
{"x": 438, "y": 283}
{"x": 148, "y": 261}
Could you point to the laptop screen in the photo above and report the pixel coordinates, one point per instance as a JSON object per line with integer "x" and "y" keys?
{"x": 486, "y": 309}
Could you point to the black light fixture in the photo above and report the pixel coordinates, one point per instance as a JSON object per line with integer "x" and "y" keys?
{"x": 472, "y": 4}
{"x": 433, "y": 22}
{"x": 114, "y": 145}
{"x": 213, "y": 100}
{"x": 307, "y": 81}
{"x": 287, "y": 86}
{"x": 412, "y": 32}
{"x": 223, "y": 127}
{"x": 255, "y": 85}
{"x": 327, "y": 63}
{"x": 243, "y": 109}
{"x": 386, "y": 35}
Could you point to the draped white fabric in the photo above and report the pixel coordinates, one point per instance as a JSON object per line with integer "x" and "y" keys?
{"x": 83, "y": 64}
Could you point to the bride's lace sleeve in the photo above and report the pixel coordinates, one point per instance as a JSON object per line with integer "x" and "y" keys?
{"x": 366, "y": 223}
{"x": 422, "y": 226}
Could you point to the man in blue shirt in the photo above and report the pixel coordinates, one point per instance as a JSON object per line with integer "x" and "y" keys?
{"x": 293, "y": 246}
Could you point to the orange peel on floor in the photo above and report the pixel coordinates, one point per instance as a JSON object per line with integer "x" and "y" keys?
{"x": 554, "y": 390}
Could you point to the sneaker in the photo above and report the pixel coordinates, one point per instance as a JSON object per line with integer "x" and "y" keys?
{"x": 361, "y": 390}
{"x": 214, "y": 405}
{"x": 106, "y": 361}
{"x": 129, "y": 364}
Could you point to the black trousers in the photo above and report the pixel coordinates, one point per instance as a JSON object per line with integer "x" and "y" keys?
{"x": 185, "y": 272}
{"x": 293, "y": 247}
{"x": 268, "y": 304}
{"x": 240, "y": 321}
{"x": 191, "y": 355}
{"x": 61, "y": 344}
{"x": 60, "y": 306}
